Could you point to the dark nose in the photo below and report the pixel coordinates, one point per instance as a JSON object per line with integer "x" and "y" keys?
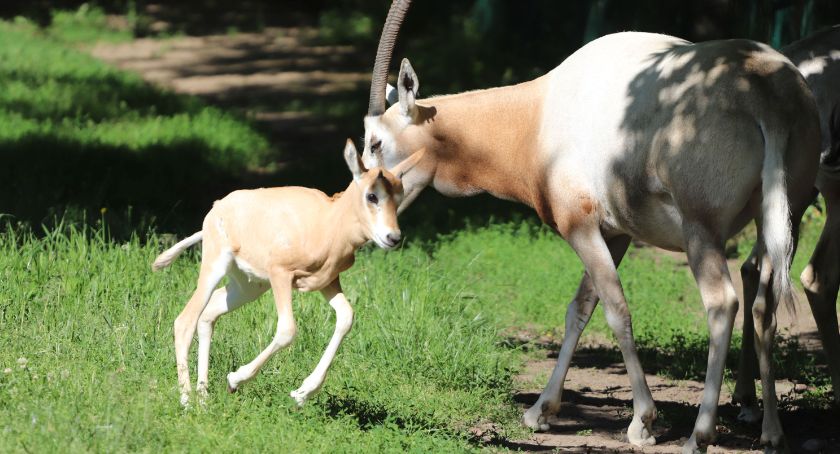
{"x": 393, "y": 237}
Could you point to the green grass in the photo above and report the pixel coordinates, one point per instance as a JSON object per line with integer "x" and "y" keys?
{"x": 89, "y": 24}
{"x": 86, "y": 328}
{"x": 425, "y": 361}
{"x": 94, "y": 325}
{"x": 77, "y": 135}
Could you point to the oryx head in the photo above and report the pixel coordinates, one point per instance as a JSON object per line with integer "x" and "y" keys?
{"x": 393, "y": 134}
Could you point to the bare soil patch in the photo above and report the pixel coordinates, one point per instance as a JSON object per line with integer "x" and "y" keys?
{"x": 597, "y": 401}
{"x": 306, "y": 95}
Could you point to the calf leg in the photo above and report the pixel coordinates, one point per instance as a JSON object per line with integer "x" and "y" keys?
{"x": 238, "y": 292}
{"x": 214, "y": 265}
{"x": 343, "y": 323}
{"x": 578, "y": 314}
{"x": 281, "y": 286}
{"x": 706, "y": 257}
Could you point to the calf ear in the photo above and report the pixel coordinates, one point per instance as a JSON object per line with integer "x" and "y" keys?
{"x": 407, "y": 87}
{"x": 408, "y": 163}
{"x": 354, "y": 161}
{"x": 391, "y": 95}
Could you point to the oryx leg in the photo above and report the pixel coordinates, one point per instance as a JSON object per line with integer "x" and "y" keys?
{"x": 578, "y": 314}
{"x": 821, "y": 280}
{"x": 281, "y": 286}
{"x": 600, "y": 266}
{"x": 238, "y": 292}
{"x": 214, "y": 265}
{"x": 343, "y": 323}
{"x": 707, "y": 260}
{"x": 764, "y": 318}
{"x": 747, "y": 362}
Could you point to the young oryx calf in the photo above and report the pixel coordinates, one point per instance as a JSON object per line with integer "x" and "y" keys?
{"x": 288, "y": 238}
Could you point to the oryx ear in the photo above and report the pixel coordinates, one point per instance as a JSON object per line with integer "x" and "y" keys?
{"x": 354, "y": 161}
{"x": 391, "y": 94}
{"x": 408, "y": 163}
{"x": 407, "y": 88}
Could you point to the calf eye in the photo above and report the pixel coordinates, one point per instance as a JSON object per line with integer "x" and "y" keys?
{"x": 371, "y": 197}
{"x": 376, "y": 145}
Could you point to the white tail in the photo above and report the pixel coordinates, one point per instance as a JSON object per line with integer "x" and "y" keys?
{"x": 167, "y": 257}
{"x": 775, "y": 211}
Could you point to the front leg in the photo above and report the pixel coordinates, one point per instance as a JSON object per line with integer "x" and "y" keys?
{"x": 281, "y": 286}
{"x": 600, "y": 262}
{"x": 578, "y": 314}
{"x": 343, "y": 323}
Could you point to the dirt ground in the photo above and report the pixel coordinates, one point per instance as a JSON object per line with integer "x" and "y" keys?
{"x": 280, "y": 65}
{"x": 597, "y": 401}
{"x": 304, "y": 94}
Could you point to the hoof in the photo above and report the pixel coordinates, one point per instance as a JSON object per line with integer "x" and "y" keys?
{"x": 699, "y": 441}
{"x": 639, "y": 435}
{"x": 535, "y": 421}
{"x": 230, "y": 387}
{"x": 185, "y": 400}
{"x": 774, "y": 444}
{"x": 690, "y": 447}
{"x": 749, "y": 415}
{"x": 299, "y": 397}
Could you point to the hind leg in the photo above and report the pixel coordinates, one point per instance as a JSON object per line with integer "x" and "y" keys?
{"x": 747, "y": 362}
{"x": 214, "y": 266}
{"x": 821, "y": 280}
{"x": 238, "y": 292}
{"x": 764, "y": 319}
{"x": 705, "y": 251}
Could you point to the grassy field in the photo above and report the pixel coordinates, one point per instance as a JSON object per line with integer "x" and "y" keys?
{"x": 86, "y": 356}
{"x": 79, "y": 138}
{"x": 86, "y": 331}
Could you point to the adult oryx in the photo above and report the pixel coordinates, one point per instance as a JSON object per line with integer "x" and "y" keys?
{"x": 634, "y": 135}
{"x": 818, "y": 59}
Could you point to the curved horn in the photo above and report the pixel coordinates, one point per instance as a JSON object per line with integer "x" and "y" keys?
{"x": 376, "y": 106}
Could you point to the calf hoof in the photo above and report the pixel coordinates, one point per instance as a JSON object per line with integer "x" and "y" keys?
{"x": 231, "y": 388}
{"x": 299, "y": 397}
{"x": 185, "y": 400}
{"x": 534, "y": 419}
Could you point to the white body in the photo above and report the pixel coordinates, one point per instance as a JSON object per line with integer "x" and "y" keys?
{"x": 635, "y": 135}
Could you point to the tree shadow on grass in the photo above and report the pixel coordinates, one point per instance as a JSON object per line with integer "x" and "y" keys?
{"x": 167, "y": 185}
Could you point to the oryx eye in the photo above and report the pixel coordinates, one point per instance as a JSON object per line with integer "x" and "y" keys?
{"x": 372, "y": 198}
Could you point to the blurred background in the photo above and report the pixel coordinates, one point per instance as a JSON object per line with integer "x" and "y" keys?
{"x": 217, "y": 95}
